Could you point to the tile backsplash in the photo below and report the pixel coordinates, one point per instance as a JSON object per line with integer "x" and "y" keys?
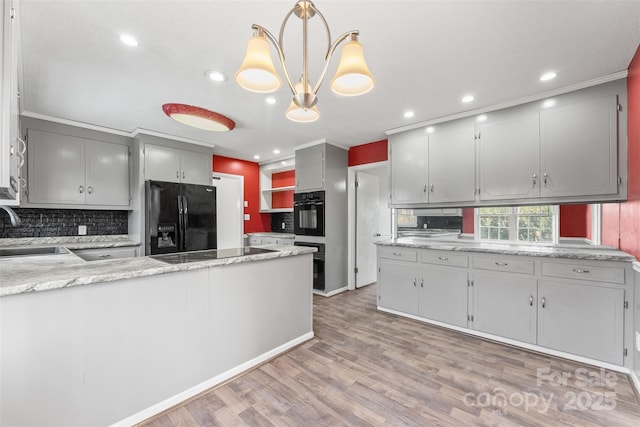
{"x": 63, "y": 222}
{"x": 441, "y": 222}
{"x": 279, "y": 218}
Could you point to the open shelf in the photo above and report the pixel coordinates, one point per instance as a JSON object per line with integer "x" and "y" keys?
{"x": 278, "y": 189}
{"x": 276, "y": 210}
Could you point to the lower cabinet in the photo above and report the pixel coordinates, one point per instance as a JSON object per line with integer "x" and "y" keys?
{"x": 505, "y": 304}
{"x": 581, "y": 319}
{"x": 576, "y": 307}
{"x": 264, "y": 240}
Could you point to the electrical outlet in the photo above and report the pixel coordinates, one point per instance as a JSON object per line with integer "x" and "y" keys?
{"x": 246, "y": 204}
{"x": 284, "y": 225}
{"x": 82, "y": 230}
{"x": 247, "y": 217}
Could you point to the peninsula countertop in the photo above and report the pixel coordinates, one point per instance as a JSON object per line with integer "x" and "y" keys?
{"x": 72, "y": 242}
{"x": 568, "y": 251}
{"x": 20, "y": 275}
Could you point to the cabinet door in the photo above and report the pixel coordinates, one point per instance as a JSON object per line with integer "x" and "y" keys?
{"x": 581, "y": 319}
{"x": 56, "y": 168}
{"x": 107, "y": 173}
{"x": 310, "y": 168}
{"x": 578, "y": 149}
{"x": 509, "y": 158}
{"x": 505, "y": 305}
{"x": 398, "y": 286}
{"x": 452, "y": 165}
{"x": 196, "y": 168}
{"x": 408, "y": 163}
{"x": 443, "y": 294}
{"x": 161, "y": 163}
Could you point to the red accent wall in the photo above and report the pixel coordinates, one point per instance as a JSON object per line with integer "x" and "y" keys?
{"x": 573, "y": 221}
{"x": 283, "y": 199}
{"x": 251, "y": 172}
{"x": 368, "y": 153}
{"x": 621, "y": 221}
{"x": 468, "y": 220}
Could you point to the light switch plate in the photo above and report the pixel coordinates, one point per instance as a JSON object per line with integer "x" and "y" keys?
{"x": 247, "y": 217}
{"x": 246, "y": 203}
{"x": 82, "y": 230}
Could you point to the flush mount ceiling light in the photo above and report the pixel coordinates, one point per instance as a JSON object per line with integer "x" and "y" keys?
{"x": 257, "y": 72}
{"x": 198, "y": 117}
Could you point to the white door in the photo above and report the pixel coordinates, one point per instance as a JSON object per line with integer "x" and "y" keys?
{"x": 229, "y": 209}
{"x": 367, "y": 226}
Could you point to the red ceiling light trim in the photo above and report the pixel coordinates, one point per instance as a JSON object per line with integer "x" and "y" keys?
{"x": 198, "y": 117}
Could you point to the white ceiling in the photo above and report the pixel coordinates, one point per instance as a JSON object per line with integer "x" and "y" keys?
{"x": 425, "y": 55}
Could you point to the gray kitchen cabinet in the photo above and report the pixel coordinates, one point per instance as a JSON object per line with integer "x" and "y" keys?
{"x": 452, "y": 163}
{"x": 579, "y": 148}
{"x": 11, "y": 147}
{"x": 68, "y": 170}
{"x": 408, "y": 153}
{"x": 443, "y": 294}
{"x": 581, "y": 319}
{"x": 505, "y": 304}
{"x": 398, "y": 283}
{"x": 508, "y": 147}
{"x": 173, "y": 165}
{"x": 310, "y": 168}
{"x": 255, "y": 240}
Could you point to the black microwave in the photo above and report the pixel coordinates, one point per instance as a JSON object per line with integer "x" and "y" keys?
{"x": 308, "y": 213}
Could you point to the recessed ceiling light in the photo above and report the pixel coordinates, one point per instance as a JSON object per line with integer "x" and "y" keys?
{"x": 270, "y": 100}
{"x": 467, "y": 98}
{"x": 408, "y": 114}
{"x": 481, "y": 118}
{"x": 430, "y": 129}
{"x": 283, "y": 162}
{"x": 129, "y": 40}
{"x": 216, "y": 76}
{"x": 256, "y": 157}
{"x": 549, "y": 103}
{"x": 548, "y": 76}
{"x": 276, "y": 151}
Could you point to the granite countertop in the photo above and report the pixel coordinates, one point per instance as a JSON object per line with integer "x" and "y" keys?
{"x": 599, "y": 253}
{"x": 72, "y": 242}
{"x": 274, "y": 234}
{"x": 26, "y": 274}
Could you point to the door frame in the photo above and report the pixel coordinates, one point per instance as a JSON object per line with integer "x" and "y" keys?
{"x": 351, "y": 218}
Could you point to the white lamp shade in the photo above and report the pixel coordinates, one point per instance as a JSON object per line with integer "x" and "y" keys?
{"x": 353, "y": 76}
{"x": 257, "y": 73}
{"x": 302, "y": 115}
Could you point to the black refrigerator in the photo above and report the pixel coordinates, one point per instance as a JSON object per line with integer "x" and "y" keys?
{"x": 179, "y": 217}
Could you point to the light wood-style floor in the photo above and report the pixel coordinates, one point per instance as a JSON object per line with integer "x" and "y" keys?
{"x": 366, "y": 367}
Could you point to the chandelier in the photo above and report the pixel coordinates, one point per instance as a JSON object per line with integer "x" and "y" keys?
{"x": 258, "y": 74}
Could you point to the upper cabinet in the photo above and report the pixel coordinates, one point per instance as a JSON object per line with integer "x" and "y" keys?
{"x": 12, "y": 148}
{"x": 572, "y": 149}
{"x": 434, "y": 165}
{"x": 173, "y": 165}
{"x": 69, "y": 171}
{"x": 310, "y": 168}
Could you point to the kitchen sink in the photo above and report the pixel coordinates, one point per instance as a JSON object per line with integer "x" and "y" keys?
{"x": 52, "y": 250}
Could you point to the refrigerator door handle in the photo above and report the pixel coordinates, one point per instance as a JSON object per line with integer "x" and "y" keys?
{"x": 185, "y": 207}
{"x": 185, "y": 222}
{"x": 180, "y": 225}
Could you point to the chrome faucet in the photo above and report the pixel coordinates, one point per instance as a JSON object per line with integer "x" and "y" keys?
{"x": 15, "y": 219}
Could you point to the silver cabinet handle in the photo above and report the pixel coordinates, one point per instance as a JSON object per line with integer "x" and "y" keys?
{"x": 183, "y": 175}
{"x": 580, "y": 270}
{"x": 90, "y": 189}
{"x": 431, "y": 188}
{"x": 178, "y": 174}
{"x": 415, "y": 282}
{"x": 544, "y": 302}
{"x": 23, "y": 183}
{"x": 535, "y": 179}
{"x": 502, "y": 264}
{"x": 397, "y": 254}
{"x": 104, "y": 256}
{"x": 81, "y": 189}
{"x": 422, "y": 283}
{"x": 22, "y": 148}
{"x": 545, "y": 176}
{"x": 443, "y": 258}
{"x": 531, "y": 300}
{"x": 424, "y": 189}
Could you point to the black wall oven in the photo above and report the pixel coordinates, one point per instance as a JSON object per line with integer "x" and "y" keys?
{"x": 318, "y": 263}
{"x": 308, "y": 214}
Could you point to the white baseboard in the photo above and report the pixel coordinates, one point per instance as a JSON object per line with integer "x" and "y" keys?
{"x": 218, "y": 379}
{"x": 635, "y": 382}
{"x": 332, "y": 293}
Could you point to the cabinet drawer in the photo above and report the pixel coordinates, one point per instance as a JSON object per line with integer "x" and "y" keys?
{"x": 401, "y": 254}
{"x": 445, "y": 258}
{"x": 584, "y": 272}
{"x": 101, "y": 254}
{"x": 502, "y": 264}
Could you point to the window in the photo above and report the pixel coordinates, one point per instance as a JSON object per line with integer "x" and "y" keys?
{"x": 520, "y": 224}
{"x": 406, "y": 218}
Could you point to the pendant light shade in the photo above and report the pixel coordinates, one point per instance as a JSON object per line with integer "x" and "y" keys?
{"x": 302, "y": 112}
{"x": 353, "y": 76}
{"x": 257, "y": 73}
